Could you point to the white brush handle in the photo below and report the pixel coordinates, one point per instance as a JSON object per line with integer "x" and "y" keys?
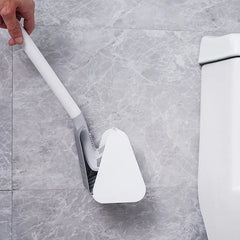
{"x": 49, "y": 76}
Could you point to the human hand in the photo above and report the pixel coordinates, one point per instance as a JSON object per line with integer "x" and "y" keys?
{"x": 11, "y": 11}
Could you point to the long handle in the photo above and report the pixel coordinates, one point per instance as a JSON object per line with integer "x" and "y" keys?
{"x": 49, "y": 76}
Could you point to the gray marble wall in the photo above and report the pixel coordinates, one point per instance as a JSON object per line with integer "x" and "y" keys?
{"x": 130, "y": 64}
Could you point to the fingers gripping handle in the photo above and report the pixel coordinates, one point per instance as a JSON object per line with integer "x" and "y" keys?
{"x": 49, "y": 76}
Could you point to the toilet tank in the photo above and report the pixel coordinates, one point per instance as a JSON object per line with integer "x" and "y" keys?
{"x": 219, "y": 150}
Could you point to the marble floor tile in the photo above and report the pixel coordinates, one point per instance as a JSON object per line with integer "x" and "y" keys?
{"x": 144, "y": 82}
{"x": 5, "y": 112}
{"x": 82, "y": 14}
{"x": 43, "y": 144}
{"x": 73, "y": 215}
{"x": 197, "y": 15}
{"x": 5, "y": 215}
{"x": 203, "y": 15}
{"x": 147, "y": 83}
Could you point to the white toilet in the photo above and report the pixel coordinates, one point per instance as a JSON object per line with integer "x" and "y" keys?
{"x": 219, "y": 154}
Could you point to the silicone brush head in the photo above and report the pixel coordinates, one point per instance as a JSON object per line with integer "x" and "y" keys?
{"x": 88, "y": 155}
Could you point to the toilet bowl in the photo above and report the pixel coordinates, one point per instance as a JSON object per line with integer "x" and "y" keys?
{"x": 219, "y": 152}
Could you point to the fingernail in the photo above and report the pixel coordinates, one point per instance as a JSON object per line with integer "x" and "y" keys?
{"x": 18, "y": 40}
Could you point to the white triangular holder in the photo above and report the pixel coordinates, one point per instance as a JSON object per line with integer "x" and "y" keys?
{"x": 119, "y": 178}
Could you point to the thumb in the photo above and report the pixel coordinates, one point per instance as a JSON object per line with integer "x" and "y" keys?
{"x": 13, "y": 27}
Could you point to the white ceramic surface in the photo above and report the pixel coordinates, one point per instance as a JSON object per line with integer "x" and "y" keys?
{"x": 219, "y": 154}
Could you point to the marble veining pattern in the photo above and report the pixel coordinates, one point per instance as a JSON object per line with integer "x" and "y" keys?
{"x": 68, "y": 214}
{"x": 195, "y": 15}
{"x": 130, "y": 64}
{"x": 148, "y": 85}
{"x": 5, "y": 112}
{"x": 5, "y": 214}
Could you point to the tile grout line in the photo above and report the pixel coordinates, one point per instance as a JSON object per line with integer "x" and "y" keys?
{"x": 47, "y": 189}
{"x": 12, "y": 159}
